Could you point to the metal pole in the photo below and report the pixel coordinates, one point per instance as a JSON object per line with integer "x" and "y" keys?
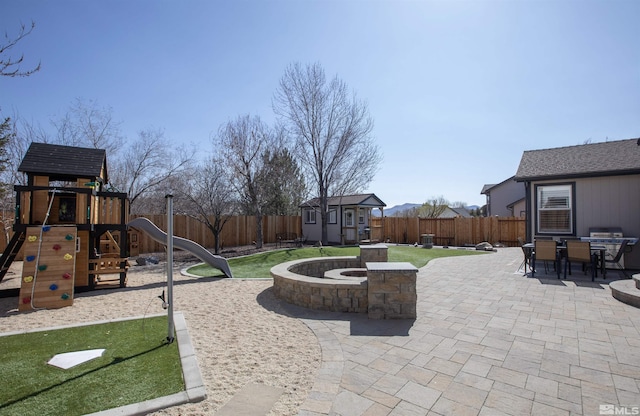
{"x": 171, "y": 329}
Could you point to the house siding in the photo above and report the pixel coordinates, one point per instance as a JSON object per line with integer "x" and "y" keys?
{"x": 503, "y": 195}
{"x": 333, "y": 230}
{"x": 520, "y": 207}
{"x": 312, "y": 232}
{"x": 610, "y": 201}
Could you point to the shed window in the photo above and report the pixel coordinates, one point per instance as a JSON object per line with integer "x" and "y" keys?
{"x": 555, "y": 209}
{"x": 309, "y": 216}
{"x": 333, "y": 216}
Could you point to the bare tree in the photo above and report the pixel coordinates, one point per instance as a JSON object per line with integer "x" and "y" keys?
{"x": 332, "y": 133}
{"x": 87, "y": 124}
{"x": 146, "y": 164}
{"x": 9, "y": 66}
{"x": 6, "y": 136}
{"x": 138, "y": 168}
{"x": 242, "y": 144}
{"x": 208, "y": 196}
{"x": 434, "y": 207}
{"x": 13, "y": 151}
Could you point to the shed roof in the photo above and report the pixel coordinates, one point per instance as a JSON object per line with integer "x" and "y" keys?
{"x": 618, "y": 157}
{"x": 64, "y": 162}
{"x": 370, "y": 200}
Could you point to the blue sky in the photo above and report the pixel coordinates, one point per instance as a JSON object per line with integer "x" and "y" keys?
{"x": 457, "y": 89}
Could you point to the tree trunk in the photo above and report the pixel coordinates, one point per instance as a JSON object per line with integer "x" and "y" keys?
{"x": 323, "y": 220}
{"x": 259, "y": 237}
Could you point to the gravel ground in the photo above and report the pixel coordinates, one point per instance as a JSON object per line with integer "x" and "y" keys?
{"x": 237, "y": 327}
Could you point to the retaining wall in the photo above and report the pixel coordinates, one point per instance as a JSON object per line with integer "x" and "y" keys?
{"x": 295, "y": 282}
{"x": 388, "y": 291}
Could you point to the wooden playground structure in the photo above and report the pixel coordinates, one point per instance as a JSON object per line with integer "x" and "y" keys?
{"x": 72, "y": 231}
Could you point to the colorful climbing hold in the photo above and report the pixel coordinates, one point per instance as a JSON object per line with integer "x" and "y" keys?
{"x": 42, "y": 267}
{"x": 67, "y": 276}
{"x": 57, "y": 247}
{"x": 32, "y": 238}
{"x": 30, "y": 258}
{"x": 46, "y": 228}
{"x": 68, "y": 256}
{"x": 26, "y": 300}
{"x": 68, "y": 237}
{"x": 28, "y": 279}
{"x": 65, "y": 296}
{"x": 53, "y": 286}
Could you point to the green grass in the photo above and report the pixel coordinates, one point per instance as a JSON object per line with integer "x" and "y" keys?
{"x": 137, "y": 365}
{"x": 259, "y": 265}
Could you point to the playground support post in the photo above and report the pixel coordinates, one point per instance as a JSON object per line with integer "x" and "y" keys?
{"x": 171, "y": 328}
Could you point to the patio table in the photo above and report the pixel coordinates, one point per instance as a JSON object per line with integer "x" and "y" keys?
{"x": 562, "y": 249}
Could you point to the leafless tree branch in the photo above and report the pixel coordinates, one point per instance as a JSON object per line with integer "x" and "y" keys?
{"x": 10, "y": 67}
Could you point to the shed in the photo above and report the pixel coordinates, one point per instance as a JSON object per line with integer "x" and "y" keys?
{"x": 348, "y": 219}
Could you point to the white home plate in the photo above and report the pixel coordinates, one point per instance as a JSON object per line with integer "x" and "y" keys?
{"x": 71, "y": 359}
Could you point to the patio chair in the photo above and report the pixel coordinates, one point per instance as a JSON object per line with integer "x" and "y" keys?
{"x": 546, "y": 251}
{"x": 527, "y": 252}
{"x": 563, "y": 240}
{"x": 580, "y": 251}
{"x": 616, "y": 259}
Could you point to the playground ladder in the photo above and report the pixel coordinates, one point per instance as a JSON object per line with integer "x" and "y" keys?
{"x": 10, "y": 253}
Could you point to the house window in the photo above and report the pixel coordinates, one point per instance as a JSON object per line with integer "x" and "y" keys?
{"x": 309, "y": 216}
{"x": 555, "y": 211}
{"x": 348, "y": 218}
{"x": 332, "y": 217}
{"x": 361, "y": 217}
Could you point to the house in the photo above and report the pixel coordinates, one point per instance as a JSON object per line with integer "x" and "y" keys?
{"x": 505, "y": 199}
{"x": 571, "y": 190}
{"x": 348, "y": 219}
{"x": 456, "y": 212}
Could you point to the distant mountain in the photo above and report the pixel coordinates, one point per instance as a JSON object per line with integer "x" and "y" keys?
{"x": 393, "y": 210}
{"x": 388, "y": 212}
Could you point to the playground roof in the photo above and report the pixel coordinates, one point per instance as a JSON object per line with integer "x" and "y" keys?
{"x": 64, "y": 162}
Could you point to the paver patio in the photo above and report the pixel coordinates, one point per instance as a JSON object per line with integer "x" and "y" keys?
{"x": 487, "y": 341}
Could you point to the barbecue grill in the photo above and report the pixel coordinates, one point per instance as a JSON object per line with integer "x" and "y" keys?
{"x": 611, "y": 238}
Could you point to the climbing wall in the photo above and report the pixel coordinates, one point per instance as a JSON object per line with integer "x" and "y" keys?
{"x": 48, "y": 268}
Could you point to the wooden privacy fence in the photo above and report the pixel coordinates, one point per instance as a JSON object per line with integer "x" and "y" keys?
{"x": 241, "y": 231}
{"x": 238, "y": 231}
{"x": 452, "y": 231}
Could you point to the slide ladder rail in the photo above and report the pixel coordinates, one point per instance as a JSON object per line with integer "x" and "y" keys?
{"x": 10, "y": 253}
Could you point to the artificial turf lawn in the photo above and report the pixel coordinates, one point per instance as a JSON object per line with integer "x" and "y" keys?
{"x": 259, "y": 265}
{"x": 137, "y": 365}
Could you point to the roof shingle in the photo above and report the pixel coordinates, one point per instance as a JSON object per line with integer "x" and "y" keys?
{"x": 593, "y": 159}
{"x": 63, "y": 162}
